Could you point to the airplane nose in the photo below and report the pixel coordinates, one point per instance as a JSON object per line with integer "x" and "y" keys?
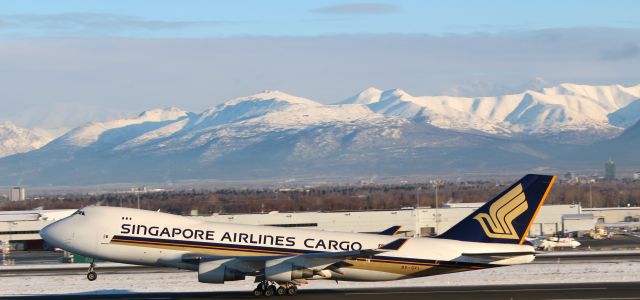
{"x": 46, "y": 232}
{"x": 53, "y": 234}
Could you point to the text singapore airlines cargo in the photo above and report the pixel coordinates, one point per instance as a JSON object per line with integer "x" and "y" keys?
{"x": 492, "y": 236}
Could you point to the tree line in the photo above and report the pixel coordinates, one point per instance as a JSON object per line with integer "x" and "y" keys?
{"x": 333, "y": 198}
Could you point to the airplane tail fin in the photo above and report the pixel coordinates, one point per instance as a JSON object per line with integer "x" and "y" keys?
{"x": 507, "y": 218}
{"x": 393, "y": 230}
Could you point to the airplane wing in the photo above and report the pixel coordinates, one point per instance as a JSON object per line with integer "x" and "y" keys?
{"x": 325, "y": 259}
{"x": 321, "y": 260}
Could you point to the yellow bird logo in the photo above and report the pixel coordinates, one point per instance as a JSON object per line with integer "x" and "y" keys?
{"x": 498, "y": 223}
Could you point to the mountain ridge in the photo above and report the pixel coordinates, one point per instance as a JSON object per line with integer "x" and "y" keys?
{"x": 14, "y": 139}
{"x": 382, "y": 132}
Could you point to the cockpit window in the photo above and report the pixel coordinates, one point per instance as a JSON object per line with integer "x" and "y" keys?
{"x": 79, "y": 212}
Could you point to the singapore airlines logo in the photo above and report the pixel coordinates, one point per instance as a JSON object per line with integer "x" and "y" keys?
{"x": 498, "y": 223}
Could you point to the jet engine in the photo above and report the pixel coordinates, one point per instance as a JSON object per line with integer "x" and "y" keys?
{"x": 217, "y": 272}
{"x": 284, "y": 272}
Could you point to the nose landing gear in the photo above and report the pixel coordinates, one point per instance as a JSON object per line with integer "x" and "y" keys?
{"x": 92, "y": 275}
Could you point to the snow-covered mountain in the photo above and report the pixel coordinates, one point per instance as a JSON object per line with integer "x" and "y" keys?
{"x": 231, "y": 126}
{"x": 367, "y": 96}
{"x": 596, "y": 111}
{"x": 90, "y": 133}
{"x": 273, "y": 134}
{"x": 14, "y": 139}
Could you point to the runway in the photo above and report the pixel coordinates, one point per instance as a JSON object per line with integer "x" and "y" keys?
{"x": 600, "y": 291}
{"x": 544, "y": 280}
{"x": 585, "y": 257}
{"x": 106, "y": 268}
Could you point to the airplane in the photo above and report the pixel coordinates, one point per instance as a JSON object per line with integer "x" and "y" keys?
{"x": 491, "y": 236}
{"x": 550, "y": 243}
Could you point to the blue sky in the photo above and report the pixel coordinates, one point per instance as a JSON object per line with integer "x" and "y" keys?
{"x": 63, "y": 63}
{"x": 203, "y": 19}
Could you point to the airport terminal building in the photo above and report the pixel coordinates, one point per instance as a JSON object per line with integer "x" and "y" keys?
{"x": 427, "y": 221}
{"x": 19, "y": 229}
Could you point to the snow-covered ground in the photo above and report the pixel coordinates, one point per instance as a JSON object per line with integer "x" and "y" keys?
{"x": 624, "y": 271}
{"x": 583, "y": 253}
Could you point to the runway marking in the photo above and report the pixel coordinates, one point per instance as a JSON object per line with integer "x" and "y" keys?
{"x": 486, "y": 291}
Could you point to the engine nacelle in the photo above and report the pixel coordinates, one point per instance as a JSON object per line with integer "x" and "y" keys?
{"x": 217, "y": 272}
{"x": 284, "y": 272}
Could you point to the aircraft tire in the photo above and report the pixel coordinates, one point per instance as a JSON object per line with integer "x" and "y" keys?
{"x": 257, "y": 292}
{"x": 91, "y": 276}
{"x": 292, "y": 290}
{"x": 281, "y": 291}
{"x": 270, "y": 291}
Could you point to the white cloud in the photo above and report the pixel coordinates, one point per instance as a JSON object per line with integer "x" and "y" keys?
{"x": 131, "y": 75}
{"x": 89, "y": 23}
{"x": 629, "y": 50}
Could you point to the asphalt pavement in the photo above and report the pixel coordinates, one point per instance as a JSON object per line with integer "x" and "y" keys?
{"x": 558, "y": 291}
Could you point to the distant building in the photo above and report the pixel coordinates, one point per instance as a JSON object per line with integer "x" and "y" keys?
{"x": 18, "y": 194}
{"x": 609, "y": 170}
{"x": 569, "y": 176}
{"x": 636, "y": 176}
{"x": 140, "y": 189}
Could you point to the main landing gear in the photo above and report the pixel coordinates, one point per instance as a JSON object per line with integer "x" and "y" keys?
{"x": 92, "y": 275}
{"x": 268, "y": 289}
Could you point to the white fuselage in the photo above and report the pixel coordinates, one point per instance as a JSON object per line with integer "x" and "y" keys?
{"x": 159, "y": 239}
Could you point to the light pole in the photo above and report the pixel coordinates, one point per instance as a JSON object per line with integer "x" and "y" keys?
{"x": 590, "y": 195}
{"x": 138, "y": 196}
{"x": 436, "y": 183}
{"x": 417, "y": 234}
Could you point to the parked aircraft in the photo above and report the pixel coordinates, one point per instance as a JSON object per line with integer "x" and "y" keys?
{"x": 282, "y": 258}
{"x": 550, "y": 243}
